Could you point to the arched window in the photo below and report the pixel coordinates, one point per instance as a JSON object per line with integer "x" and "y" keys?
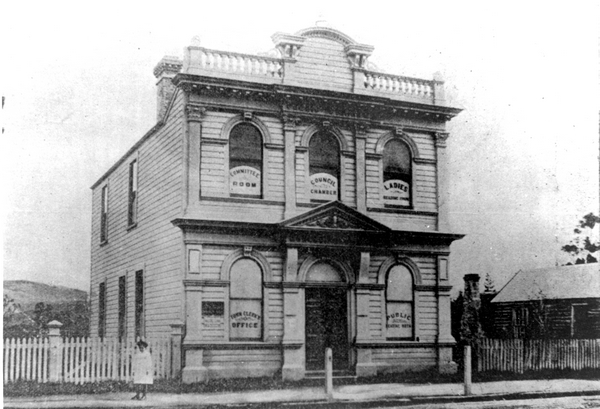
{"x": 397, "y": 174}
{"x": 324, "y": 167}
{"x": 323, "y": 272}
{"x": 399, "y": 302}
{"x": 245, "y": 161}
{"x": 245, "y": 300}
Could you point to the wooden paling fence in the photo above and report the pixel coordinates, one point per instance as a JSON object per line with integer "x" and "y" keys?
{"x": 518, "y": 355}
{"x": 79, "y": 360}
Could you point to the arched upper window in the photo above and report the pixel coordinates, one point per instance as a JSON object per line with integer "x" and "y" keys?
{"x": 399, "y": 302}
{"x": 245, "y": 300}
{"x": 397, "y": 173}
{"x": 324, "y": 167}
{"x": 323, "y": 272}
{"x": 245, "y": 161}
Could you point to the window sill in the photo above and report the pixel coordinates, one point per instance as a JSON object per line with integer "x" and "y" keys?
{"x": 132, "y": 226}
{"x": 241, "y": 199}
{"x": 399, "y": 210}
{"x": 103, "y": 243}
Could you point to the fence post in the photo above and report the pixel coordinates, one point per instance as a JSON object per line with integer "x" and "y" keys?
{"x": 176, "y": 335}
{"x": 54, "y": 361}
{"x": 467, "y": 369}
{"x": 328, "y": 373}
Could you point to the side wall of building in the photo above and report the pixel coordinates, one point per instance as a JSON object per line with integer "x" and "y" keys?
{"x": 153, "y": 244}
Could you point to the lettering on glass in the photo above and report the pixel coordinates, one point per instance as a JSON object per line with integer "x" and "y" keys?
{"x": 396, "y": 192}
{"x": 213, "y": 315}
{"x": 245, "y": 319}
{"x": 399, "y": 320}
{"x": 244, "y": 180}
{"x": 323, "y": 186}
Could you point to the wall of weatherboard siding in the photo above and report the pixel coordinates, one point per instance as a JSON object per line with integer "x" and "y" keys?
{"x": 155, "y": 244}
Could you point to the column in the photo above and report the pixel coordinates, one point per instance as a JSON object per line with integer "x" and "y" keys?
{"x": 364, "y": 364}
{"x": 194, "y": 116}
{"x": 293, "y": 321}
{"x": 442, "y": 180}
{"x": 361, "y": 187}
{"x": 444, "y": 338}
{"x": 289, "y": 136}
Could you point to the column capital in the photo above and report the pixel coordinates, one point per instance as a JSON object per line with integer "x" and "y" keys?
{"x": 195, "y": 113}
{"x": 290, "y": 122}
{"x": 440, "y": 139}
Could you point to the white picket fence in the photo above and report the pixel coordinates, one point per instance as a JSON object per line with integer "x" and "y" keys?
{"x": 518, "y": 355}
{"x": 79, "y": 360}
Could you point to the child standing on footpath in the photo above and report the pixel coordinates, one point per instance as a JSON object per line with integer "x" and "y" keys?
{"x": 143, "y": 370}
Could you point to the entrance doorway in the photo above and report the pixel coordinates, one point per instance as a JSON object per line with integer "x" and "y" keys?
{"x": 326, "y": 327}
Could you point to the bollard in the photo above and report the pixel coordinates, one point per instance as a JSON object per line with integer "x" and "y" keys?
{"x": 467, "y": 369}
{"x": 329, "y": 373}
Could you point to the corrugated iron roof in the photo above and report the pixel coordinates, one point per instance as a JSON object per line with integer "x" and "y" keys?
{"x": 577, "y": 281}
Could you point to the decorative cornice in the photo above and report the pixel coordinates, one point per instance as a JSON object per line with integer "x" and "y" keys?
{"x": 169, "y": 66}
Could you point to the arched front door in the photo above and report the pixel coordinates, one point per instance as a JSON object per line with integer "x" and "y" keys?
{"x": 326, "y": 317}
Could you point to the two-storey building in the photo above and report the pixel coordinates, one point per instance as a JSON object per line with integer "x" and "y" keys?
{"x": 280, "y": 206}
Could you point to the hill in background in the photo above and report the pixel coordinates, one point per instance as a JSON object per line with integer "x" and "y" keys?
{"x": 28, "y": 293}
{"x": 29, "y": 306}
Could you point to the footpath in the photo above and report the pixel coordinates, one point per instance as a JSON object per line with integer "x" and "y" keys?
{"x": 358, "y": 396}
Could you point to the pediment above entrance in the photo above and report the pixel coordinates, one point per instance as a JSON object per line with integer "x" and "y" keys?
{"x": 334, "y": 216}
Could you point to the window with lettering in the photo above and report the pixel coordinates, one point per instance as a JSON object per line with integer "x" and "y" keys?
{"x": 399, "y": 303}
{"x": 245, "y": 300}
{"x": 324, "y": 167}
{"x": 397, "y": 174}
{"x": 245, "y": 161}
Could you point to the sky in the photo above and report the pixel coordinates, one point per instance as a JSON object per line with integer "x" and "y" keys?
{"x": 79, "y": 92}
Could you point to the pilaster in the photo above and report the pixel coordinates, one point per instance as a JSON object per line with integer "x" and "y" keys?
{"x": 194, "y": 115}
{"x": 361, "y": 188}
{"x": 442, "y": 180}
{"x": 289, "y": 135}
{"x": 293, "y": 321}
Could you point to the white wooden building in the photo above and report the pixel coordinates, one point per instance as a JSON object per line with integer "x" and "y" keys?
{"x": 282, "y": 205}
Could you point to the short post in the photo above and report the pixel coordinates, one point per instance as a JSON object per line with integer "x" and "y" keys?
{"x": 176, "y": 335}
{"x": 467, "y": 369}
{"x": 329, "y": 373}
{"x": 55, "y": 358}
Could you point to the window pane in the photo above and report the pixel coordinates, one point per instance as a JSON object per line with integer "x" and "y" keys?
{"x": 324, "y": 169}
{"x": 323, "y": 272}
{"x": 399, "y": 320}
{"x": 396, "y": 158}
{"x": 245, "y": 144}
{"x": 399, "y": 284}
{"x": 324, "y": 153}
{"x": 245, "y": 160}
{"x": 245, "y": 319}
{"x": 245, "y": 279}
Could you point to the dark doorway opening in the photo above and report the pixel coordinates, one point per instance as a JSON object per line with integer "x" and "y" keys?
{"x": 326, "y": 327}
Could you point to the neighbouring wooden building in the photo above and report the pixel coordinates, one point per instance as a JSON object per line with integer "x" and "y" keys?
{"x": 556, "y": 302}
{"x": 282, "y": 205}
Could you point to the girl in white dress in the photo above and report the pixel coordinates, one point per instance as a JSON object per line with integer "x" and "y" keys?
{"x": 143, "y": 370}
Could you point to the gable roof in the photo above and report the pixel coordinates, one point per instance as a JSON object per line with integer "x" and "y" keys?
{"x": 334, "y": 215}
{"x": 555, "y": 283}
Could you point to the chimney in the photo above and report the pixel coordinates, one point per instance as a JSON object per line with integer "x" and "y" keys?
{"x": 472, "y": 289}
{"x": 165, "y": 71}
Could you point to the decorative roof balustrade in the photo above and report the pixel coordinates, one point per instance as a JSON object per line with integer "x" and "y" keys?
{"x": 270, "y": 70}
{"x": 200, "y": 60}
{"x": 397, "y": 84}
